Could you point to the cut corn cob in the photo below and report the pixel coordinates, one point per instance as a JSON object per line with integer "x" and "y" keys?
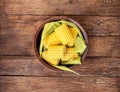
{"x": 64, "y": 34}
{"x": 52, "y": 39}
{"x": 72, "y": 61}
{"x": 51, "y": 61}
{"x": 74, "y": 34}
{"x": 70, "y": 53}
{"x": 56, "y": 51}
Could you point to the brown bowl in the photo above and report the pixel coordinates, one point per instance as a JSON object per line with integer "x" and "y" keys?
{"x": 37, "y": 38}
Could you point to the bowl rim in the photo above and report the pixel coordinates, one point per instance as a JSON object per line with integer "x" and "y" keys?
{"x": 55, "y": 18}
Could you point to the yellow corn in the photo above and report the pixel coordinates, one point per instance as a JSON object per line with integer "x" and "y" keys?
{"x": 74, "y": 34}
{"x": 70, "y": 53}
{"x": 52, "y": 39}
{"x": 56, "y": 51}
{"x": 63, "y": 34}
{"x": 51, "y": 61}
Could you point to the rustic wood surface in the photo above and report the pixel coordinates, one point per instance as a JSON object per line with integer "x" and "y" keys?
{"x": 21, "y": 71}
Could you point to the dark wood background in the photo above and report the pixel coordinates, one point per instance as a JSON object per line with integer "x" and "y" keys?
{"x": 20, "y": 70}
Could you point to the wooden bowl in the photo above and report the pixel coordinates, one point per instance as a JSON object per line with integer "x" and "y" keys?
{"x": 37, "y": 38}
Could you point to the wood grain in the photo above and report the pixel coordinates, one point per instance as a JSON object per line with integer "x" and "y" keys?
{"x": 58, "y": 84}
{"x": 63, "y": 7}
{"x": 20, "y": 70}
{"x": 30, "y": 66}
{"x": 28, "y": 24}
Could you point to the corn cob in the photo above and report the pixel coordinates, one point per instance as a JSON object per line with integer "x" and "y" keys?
{"x": 56, "y": 51}
{"x": 51, "y": 61}
{"x": 72, "y": 61}
{"x": 74, "y": 34}
{"x": 70, "y": 53}
{"x": 64, "y": 34}
{"x": 52, "y": 39}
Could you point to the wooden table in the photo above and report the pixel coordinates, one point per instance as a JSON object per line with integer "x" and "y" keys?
{"x": 20, "y": 70}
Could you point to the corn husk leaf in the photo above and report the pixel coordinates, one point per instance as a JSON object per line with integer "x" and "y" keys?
{"x": 80, "y": 45}
{"x": 66, "y": 69}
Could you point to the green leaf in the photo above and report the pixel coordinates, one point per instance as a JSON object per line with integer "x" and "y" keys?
{"x": 72, "y": 61}
{"x": 66, "y": 69}
{"x": 80, "y": 45}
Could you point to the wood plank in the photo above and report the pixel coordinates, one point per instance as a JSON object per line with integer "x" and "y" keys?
{"x": 105, "y": 85}
{"x": 28, "y": 24}
{"x": 104, "y": 46}
{"x": 16, "y": 45}
{"x": 64, "y": 7}
{"x": 22, "y": 45}
{"x": 30, "y": 66}
{"x": 58, "y": 84}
